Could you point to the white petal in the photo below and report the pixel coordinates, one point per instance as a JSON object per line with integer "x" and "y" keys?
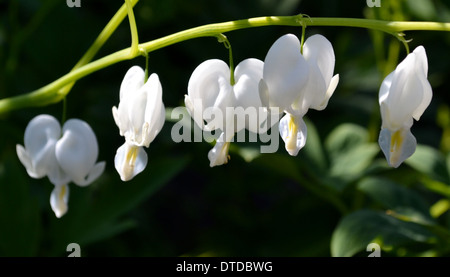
{"x": 421, "y": 68}
{"x": 421, "y": 60}
{"x": 319, "y": 51}
{"x": 293, "y": 131}
{"x": 40, "y": 138}
{"x": 77, "y": 152}
{"x": 129, "y": 115}
{"x": 385, "y": 88}
{"x": 133, "y": 80}
{"x": 129, "y": 161}
{"x": 248, "y": 74}
{"x": 59, "y": 199}
{"x": 195, "y": 110}
{"x": 134, "y": 109}
{"x": 264, "y": 93}
{"x": 406, "y": 92}
{"x": 116, "y": 117}
{"x": 203, "y": 83}
{"x": 26, "y": 160}
{"x": 285, "y": 71}
{"x": 312, "y": 94}
{"x": 333, "y": 84}
{"x": 397, "y": 146}
{"x": 219, "y": 154}
{"x": 55, "y": 173}
{"x": 209, "y": 87}
{"x": 154, "y": 110}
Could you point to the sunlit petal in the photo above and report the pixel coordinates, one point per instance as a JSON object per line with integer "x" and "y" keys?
{"x": 130, "y": 160}
{"x": 219, "y": 154}
{"x": 293, "y": 131}
{"x": 40, "y": 137}
{"x": 59, "y": 199}
{"x": 77, "y": 152}
{"x": 397, "y": 146}
{"x": 285, "y": 71}
{"x": 133, "y": 80}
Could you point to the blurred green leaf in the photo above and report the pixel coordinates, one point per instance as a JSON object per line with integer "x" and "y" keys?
{"x": 448, "y": 163}
{"x": 394, "y": 197}
{"x": 95, "y": 217}
{"x": 21, "y": 229}
{"x": 356, "y": 230}
{"x": 429, "y": 161}
{"x": 279, "y": 163}
{"x": 343, "y": 139}
{"x": 352, "y": 164}
{"x": 350, "y": 154}
{"x": 439, "y": 208}
{"x": 422, "y": 9}
{"x": 108, "y": 230}
{"x": 313, "y": 150}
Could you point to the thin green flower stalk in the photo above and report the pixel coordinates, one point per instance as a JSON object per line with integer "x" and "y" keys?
{"x": 100, "y": 41}
{"x": 51, "y": 93}
{"x": 223, "y": 39}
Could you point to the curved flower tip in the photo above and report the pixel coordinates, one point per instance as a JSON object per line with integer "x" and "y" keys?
{"x": 129, "y": 161}
{"x": 41, "y": 135}
{"x": 404, "y": 96}
{"x": 219, "y": 154}
{"x": 293, "y": 131}
{"x": 285, "y": 73}
{"x": 406, "y": 93}
{"x": 397, "y": 146}
{"x": 296, "y": 82}
{"x": 59, "y": 200}
{"x": 209, "y": 90}
{"x": 77, "y": 153}
{"x": 140, "y": 114}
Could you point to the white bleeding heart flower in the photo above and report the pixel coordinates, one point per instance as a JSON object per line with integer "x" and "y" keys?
{"x": 63, "y": 156}
{"x": 294, "y": 82}
{"x": 404, "y": 95}
{"x": 77, "y": 152}
{"x": 140, "y": 116}
{"x": 214, "y": 102}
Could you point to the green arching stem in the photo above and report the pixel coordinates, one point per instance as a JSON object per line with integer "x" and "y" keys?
{"x": 99, "y": 42}
{"x": 50, "y": 93}
{"x": 134, "y": 33}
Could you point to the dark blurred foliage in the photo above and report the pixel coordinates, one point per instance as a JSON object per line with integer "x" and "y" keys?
{"x": 274, "y": 205}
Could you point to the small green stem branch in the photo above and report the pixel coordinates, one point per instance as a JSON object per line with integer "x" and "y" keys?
{"x": 99, "y": 42}
{"x": 134, "y": 33}
{"x": 223, "y": 39}
{"x": 51, "y": 93}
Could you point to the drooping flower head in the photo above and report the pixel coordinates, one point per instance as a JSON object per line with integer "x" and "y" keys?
{"x": 63, "y": 156}
{"x": 404, "y": 95}
{"x": 140, "y": 117}
{"x": 212, "y": 102}
{"x": 295, "y": 82}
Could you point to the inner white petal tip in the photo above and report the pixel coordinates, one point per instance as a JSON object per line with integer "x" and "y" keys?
{"x": 397, "y": 146}
{"x": 219, "y": 154}
{"x": 59, "y": 200}
{"x": 129, "y": 161}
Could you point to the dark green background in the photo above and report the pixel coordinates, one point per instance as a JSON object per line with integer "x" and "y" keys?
{"x": 275, "y": 205}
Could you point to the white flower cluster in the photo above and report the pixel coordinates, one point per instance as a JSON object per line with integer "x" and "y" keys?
{"x": 64, "y": 156}
{"x": 291, "y": 80}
